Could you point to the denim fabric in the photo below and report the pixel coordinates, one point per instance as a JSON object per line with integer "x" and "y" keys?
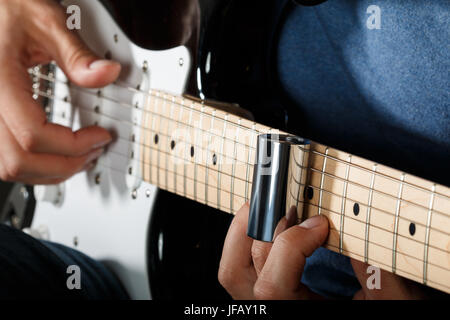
{"x": 32, "y": 269}
{"x": 379, "y": 93}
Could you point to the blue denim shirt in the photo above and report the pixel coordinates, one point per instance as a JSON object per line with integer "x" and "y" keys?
{"x": 382, "y": 93}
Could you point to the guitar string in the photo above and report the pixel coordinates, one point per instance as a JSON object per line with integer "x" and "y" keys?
{"x": 309, "y": 204}
{"x": 339, "y": 197}
{"x": 224, "y": 156}
{"x": 244, "y": 163}
{"x": 160, "y": 134}
{"x": 332, "y": 158}
{"x": 103, "y": 164}
{"x": 424, "y": 189}
{"x": 150, "y": 94}
{"x": 376, "y": 226}
{"x": 246, "y": 181}
{"x": 122, "y": 104}
{"x": 387, "y": 267}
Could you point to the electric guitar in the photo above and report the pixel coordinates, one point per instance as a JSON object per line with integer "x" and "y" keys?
{"x": 206, "y": 151}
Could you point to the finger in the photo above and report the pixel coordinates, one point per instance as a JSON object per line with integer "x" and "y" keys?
{"x": 78, "y": 62}
{"x": 40, "y": 168}
{"x": 28, "y": 124}
{"x": 53, "y": 181}
{"x": 281, "y": 274}
{"x": 261, "y": 249}
{"x": 50, "y": 166}
{"x": 18, "y": 165}
{"x": 391, "y": 286}
{"x": 236, "y": 272}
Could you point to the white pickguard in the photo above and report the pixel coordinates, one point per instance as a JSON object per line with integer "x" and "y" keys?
{"x": 104, "y": 220}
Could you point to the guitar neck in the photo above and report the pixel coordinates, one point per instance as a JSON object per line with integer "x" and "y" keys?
{"x": 377, "y": 214}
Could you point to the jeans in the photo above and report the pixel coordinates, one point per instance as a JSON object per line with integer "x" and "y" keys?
{"x": 33, "y": 269}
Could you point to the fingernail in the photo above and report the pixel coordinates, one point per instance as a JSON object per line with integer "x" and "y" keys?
{"x": 311, "y": 222}
{"x": 94, "y": 155}
{"x": 101, "y": 63}
{"x": 101, "y": 144}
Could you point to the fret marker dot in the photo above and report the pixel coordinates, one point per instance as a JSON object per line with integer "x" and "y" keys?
{"x": 156, "y": 139}
{"x": 172, "y": 145}
{"x": 192, "y": 151}
{"x": 309, "y": 193}
{"x": 356, "y": 208}
{"x": 214, "y": 159}
{"x": 412, "y": 229}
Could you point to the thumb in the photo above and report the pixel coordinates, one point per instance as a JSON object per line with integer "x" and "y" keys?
{"x": 284, "y": 266}
{"x": 79, "y": 63}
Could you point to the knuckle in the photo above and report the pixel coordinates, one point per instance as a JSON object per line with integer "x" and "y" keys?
{"x": 3, "y": 174}
{"x": 77, "y": 52}
{"x": 12, "y": 170}
{"x": 27, "y": 140}
{"x": 226, "y": 278}
{"x": 285, "y": 239}
{"x": 258, "y": 252}
{"x": 265, "y": 290}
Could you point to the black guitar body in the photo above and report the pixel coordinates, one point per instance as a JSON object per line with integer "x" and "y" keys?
{"x": 228, "y": 40}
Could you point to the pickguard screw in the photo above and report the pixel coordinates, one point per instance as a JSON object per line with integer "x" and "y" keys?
{"x": 145, "y": 66}
{"x": 181, "y": 62}
{"x": 116, "y": 38}
{"x": 75, "y": 241}
{"x": 97, "y": 179}
{"x": 134, "y": 194}
{"x": 147, "y": 193}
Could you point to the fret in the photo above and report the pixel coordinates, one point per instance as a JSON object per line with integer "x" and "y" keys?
{"x": 339, "y": 183}
{"x": 219, "y": 172}
{"x": 427, "y": 235}
{"x": 397, "y": 213}
{"x": 300, "y": 180}
{"x": 197, "y": 152}
{"x": 180, "y": 118}
{"x": 322, "y": 179}
{"x": 152, "y": 131}
{"x": 344, "y": 197}
{"x": 185, "y": 158}
{"x": 208, "y": 153}
{"x": 158, "y": 156}
{"x": 233, "y": 169}
{"x": 369, "y": 207}
{"x": 253, "y": 142}
{"x": 169, "y": 125}
{"x": 147, "y": 152}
